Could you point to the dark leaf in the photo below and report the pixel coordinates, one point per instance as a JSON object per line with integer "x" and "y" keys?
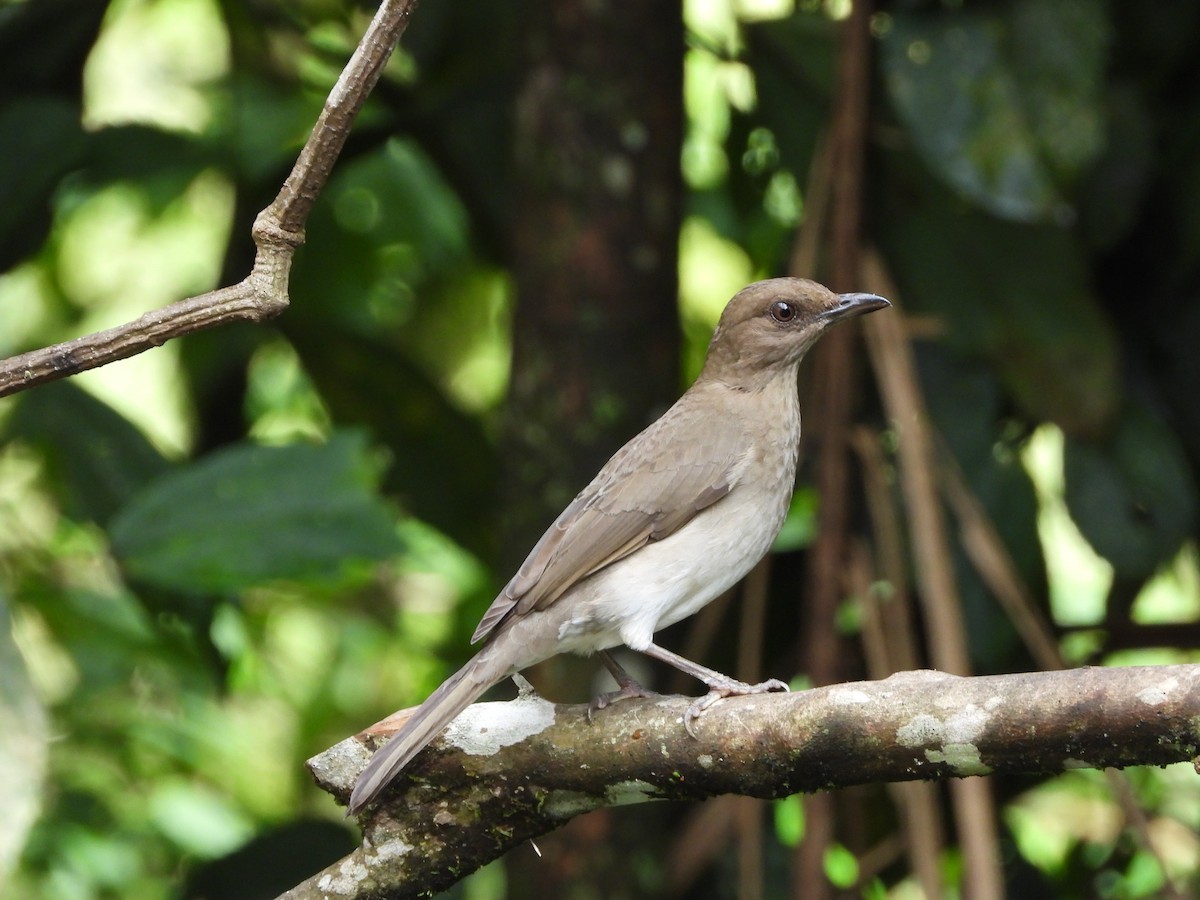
{"x": 1004, "y": 105}
{"x": 1133, "y": 497}
{"x": 793, "y": 62}
{"x": 44, "y": 136}
{"x": 44, "y": 45}
{"x": 251, "y": 514}
{"x": 1018, "y": 295}
{"x": 160, "y": 163}
{"x": 444, "y": 464}
{"x": 96, "y": 457}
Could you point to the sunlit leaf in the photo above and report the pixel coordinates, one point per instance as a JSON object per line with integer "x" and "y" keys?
{"x": 23, "y": 746}
{"x": 198, "y": 819}
{"x": 789, "y": 819}
{"x": 841, "y": 868}
{"x": 800, "y": 526}
{"x": 1144, "y": 877}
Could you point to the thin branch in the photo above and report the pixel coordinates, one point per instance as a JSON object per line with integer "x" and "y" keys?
{"x": 995, "y": 566}
{"x": 896, "y": 374}
{"x": 278, "y": 231}
{"x": 887, "y": 637}
{"x": 507, "y": 772}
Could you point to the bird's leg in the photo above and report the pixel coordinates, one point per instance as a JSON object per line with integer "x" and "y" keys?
{"x": 718, "y": 685}
{"x": 626, "y": 683}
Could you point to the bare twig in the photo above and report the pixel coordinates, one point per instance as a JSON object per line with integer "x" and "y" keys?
{"x": 278, "y": 231}
{"x": 896, "y": 633}
{"x": 506, "y": 772}
{"x": 896, "y": 375}
{"x": 748, "y": 812}
{"x": 916, "y": 802}
{"x": 834, "y": 377}
{"x": 995, "y": 566}
{"x": 709, "y": 829}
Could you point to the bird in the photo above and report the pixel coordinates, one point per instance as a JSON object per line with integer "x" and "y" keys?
{"x": 676, "y": 517}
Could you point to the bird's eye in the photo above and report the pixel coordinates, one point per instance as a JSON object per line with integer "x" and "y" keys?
{"x": 782, "y": 311}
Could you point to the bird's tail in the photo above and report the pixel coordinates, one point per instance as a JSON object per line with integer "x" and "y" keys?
{"x": 454, "y": 695}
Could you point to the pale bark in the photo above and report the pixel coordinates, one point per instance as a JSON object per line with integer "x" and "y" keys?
{"x": 507, "y": 772}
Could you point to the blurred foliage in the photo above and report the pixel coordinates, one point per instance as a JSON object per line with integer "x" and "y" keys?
{"x": 237, "y": 518}
{"x": 1022, "y": 116}
{"x": 219, "y": 558}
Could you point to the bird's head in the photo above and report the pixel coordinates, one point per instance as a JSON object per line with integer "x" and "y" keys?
{"x": 767, "y": 327}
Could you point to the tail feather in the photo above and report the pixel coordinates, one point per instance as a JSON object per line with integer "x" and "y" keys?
{"x": 454, "y": 695}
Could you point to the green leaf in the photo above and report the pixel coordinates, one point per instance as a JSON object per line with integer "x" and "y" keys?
{"x": 841, "y": 868}
{"x": 793, "y": 62}
{"x": 1019, "y": 295}
{"x": 23, "y": 745}
{"x": 1005, "y": 106}
{"x": 395, "y": 225}
{"x": 47, "y": 139}
{"x": 198, "y": 819}
{"x": 1133, "y": 497}
{"x": 96, "y": 457}
{"x": 1144, "y": 877}
{"x": 45, "y": 45}
{"x": 789, "y": 820}
{"x": 159, "y": 164}
{"x": 250, "y": 514}
{"x": 443, "y": 463}
{"x": 800, "y": 526}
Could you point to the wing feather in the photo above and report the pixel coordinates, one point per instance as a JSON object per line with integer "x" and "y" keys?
{"x": 650, "y": 489}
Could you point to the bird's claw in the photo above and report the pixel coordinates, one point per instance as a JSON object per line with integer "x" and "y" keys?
{"x": 720, "y": 690}
{"x": 628, "y": 691}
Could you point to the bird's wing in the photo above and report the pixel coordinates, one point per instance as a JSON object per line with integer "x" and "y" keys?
{"x": 651, "y": 488}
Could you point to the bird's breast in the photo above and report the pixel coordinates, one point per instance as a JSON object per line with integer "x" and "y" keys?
{"x": 671, "y": 579}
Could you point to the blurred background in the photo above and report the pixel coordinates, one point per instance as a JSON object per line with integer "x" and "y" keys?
{"x": 220, "y": 557}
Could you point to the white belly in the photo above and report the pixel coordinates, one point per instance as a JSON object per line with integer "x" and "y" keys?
{"x": 669, "y": 580}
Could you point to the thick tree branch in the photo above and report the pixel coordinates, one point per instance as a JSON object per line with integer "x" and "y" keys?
{"x": 277, "y": 232}
{"x": 507, "y": 772}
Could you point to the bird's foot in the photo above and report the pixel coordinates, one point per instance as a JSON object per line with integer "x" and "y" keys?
{"x": 628, "y": 690}
{"x": 727, "y": 687}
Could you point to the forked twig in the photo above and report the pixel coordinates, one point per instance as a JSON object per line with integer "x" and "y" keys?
{"x": 278, "y": 231}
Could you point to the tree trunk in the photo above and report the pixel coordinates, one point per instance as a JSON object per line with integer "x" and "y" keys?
{"x": 596, "y": 331}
